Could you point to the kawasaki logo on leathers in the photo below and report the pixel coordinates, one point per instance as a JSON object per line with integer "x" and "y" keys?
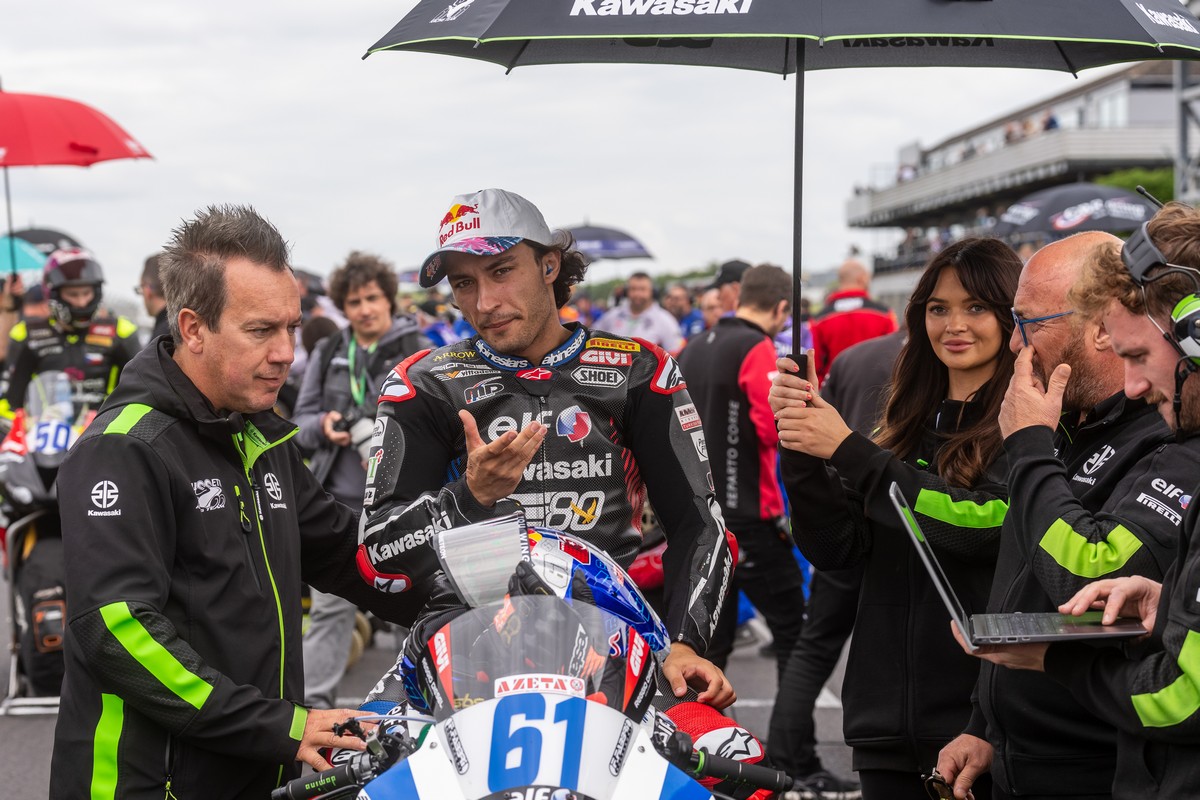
{"x": 590, "y": 467}
{"x": 379, "y": 553}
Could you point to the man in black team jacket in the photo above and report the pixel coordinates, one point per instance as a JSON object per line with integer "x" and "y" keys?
{"x": 728, "y": 370}
{"x": 576, "y": 426}
{"x": 1150, "y": 300}
{"x": 189, "y": 523}
{"x": 1089, "y": 498}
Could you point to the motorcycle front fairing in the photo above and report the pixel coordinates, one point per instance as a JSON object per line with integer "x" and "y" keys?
{"x": 536, "y": 698}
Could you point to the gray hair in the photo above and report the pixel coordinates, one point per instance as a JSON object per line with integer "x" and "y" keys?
{"x": 192, "y": 265}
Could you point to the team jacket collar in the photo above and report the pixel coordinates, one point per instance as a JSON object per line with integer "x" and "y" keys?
{"x": 560, "y": 355}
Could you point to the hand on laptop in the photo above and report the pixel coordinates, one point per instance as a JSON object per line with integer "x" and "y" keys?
{"x": 1027, "y": 402}
{"x": 1028, "y": 655}
{"x": 1135, "y": 597}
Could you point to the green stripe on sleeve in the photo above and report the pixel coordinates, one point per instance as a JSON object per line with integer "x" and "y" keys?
{"x": 157, "y": 660}
{"x": 1078, "y": 556}
{"x": 299, "y": 720}
{"x": 128, "y": 417}
{"x": 1180, "y": 699}
{"x": 963, "y": 513}
{"x": 104, "y": 747}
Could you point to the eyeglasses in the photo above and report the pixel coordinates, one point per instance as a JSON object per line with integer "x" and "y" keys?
{"x": 1021, "y": 322}
{"x": 937, "y": 788}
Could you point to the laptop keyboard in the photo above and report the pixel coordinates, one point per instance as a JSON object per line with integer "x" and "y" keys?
{"x": 1016, "y": 625}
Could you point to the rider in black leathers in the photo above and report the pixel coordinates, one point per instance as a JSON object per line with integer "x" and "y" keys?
{"x": 617, "y": 421}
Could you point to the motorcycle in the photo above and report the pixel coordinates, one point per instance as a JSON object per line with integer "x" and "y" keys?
{"x": 30, "y": 455}
{"x": 540, "y": 689}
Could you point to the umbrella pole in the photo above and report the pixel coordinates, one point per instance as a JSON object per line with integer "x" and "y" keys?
{"x": 797, "y": 201}
{"x": 12, "y": 245}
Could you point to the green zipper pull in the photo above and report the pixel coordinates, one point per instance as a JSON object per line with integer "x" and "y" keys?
{"x": 237, "y": 490}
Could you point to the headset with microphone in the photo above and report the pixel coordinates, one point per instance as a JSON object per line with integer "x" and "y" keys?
{"x": 1141, "y": 256}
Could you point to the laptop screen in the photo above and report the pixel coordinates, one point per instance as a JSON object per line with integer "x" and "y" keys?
{"x": 925, "y": 551}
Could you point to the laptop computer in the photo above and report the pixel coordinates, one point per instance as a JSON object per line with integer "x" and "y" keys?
{"x": 1009, "y": 628}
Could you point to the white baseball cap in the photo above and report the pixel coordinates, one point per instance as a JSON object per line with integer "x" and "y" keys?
{"x": 484, "y": 223}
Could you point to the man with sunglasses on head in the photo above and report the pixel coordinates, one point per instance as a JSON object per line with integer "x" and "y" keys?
{"x": 1091, "y": 475}
{"x": 1149, "y": 299}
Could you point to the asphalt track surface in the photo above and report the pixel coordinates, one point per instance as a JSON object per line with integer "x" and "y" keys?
{"x": 27, "y": 740}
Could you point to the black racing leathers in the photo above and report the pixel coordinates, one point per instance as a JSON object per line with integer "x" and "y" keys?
{"x": 92, "y": 359}
{"x": 907, "y": 689}
{"x": 1096, "y": 499}
{"x": 187, "y": 536}
{"x": 620, "y": 422}
{"x": 1150, "y": 696}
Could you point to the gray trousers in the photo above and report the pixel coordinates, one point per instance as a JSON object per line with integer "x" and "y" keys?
{"x": 326, "y": 647}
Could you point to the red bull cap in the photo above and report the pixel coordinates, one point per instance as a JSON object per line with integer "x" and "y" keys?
{"x": 484, "y": 223}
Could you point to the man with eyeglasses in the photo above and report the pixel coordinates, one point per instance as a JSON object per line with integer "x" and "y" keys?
{"x": 1090, "y": 479}
{"x": 1147, "y": 297}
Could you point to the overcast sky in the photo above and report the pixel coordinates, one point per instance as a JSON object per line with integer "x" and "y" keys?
{"x": 267, "y": 102}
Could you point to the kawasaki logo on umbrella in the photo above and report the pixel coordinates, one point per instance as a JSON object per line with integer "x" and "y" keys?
{"x": 610, "y": 8}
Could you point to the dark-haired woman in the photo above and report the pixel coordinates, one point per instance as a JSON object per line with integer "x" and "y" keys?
{"x": 907, "y": 689}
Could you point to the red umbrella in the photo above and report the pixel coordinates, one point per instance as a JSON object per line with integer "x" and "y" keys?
{"x": 40, "y": 130}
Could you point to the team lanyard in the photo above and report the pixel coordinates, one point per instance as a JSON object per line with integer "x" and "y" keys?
{"x": 358, "y": 386}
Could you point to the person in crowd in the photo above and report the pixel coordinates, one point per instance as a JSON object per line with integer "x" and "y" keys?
{"x": 335, "y": 406}
{"x": 728, "y": 371}
{"x": 183, "y": 657}
{"x": 728, "y": 283}
{"x": 79, "y": 337}
{"x": 940, "y": 442}
{"x": 34, "y": 302}
{"x": 432, "y": 319}
{"x": 679, "y": 302}
{"x": 857, "y": 386}
{"x": 12, "y": 298}
{"x": 150, "y": 288}
{"x": 639, "y": 315}
{"x": 1085, "y": 478}
{"x": 574, "y": 426}
{"x": 848, "y": 317}
{"x": 710, "y": 307}
{"x": 1146, "y": 296}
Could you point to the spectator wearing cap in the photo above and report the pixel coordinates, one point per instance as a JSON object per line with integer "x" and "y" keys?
{"x": 150, "y": 288}
{"x": 728, "y": 284}
{"x": 433, "y": 324}
{"x": 34, "y": 302}
{"x": 849, "y": 316}
{"x": 640, "y": 316}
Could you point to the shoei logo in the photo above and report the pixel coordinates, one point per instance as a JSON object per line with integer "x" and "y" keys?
{"x": 105, "y": 494}
{"x": 209, "y": 494}
{"x": 676, "y": 8}
{"x": 273, "y": 487}
{"x": 1098, "y": 460}
{"x": 453, "y": 11}
{"x": 1173, "y": 20}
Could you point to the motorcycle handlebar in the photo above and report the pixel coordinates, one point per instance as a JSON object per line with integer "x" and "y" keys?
{"x": 322, "y": 783}
{"x": 706, "y": 765}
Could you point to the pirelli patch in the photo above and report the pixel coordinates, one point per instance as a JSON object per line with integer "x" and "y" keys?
{"x": 614, "y": 344}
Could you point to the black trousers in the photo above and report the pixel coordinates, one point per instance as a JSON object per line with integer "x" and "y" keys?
{"x": 772, "y": 580}
{"x": 832, "y": 607}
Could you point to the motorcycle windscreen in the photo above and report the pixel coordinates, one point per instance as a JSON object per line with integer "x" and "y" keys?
{"x": 536, "y": 643}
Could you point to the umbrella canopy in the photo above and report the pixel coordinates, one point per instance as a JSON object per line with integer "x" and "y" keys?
{"x": 778, "y": 37}
{"x": 1075, "y": 207}
{"x": 47, "y": 240}
{"x": 596, "y": 242}
{"x": 40, "y": 130}
{"x": 19, "y": 255}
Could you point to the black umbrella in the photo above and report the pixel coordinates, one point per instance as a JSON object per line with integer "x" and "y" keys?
{"x": 47, "y": 240}
{"x": 773, "y": 36}
{"x": 595, "y": 243}
{"x": 1075, "y": 207}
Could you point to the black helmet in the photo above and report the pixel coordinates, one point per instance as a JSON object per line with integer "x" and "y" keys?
{"x": 72, "y": 267}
